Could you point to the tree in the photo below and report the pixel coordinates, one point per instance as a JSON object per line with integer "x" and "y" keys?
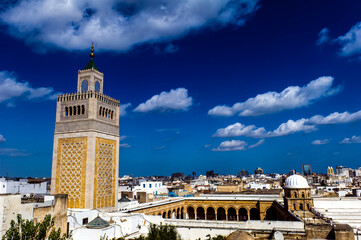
{"x": 161, "y": 232}
{"x": 23, "y": 229}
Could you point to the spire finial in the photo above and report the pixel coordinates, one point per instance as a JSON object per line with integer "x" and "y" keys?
{"x": 92, "y": 51}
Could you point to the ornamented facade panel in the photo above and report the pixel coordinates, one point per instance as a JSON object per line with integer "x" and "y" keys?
{"x": 105, "y": 173}
{"x": 71, "y": 170}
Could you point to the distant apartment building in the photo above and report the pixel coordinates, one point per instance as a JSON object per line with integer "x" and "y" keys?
{"x": 258, "y": 171}
{"x": 22, "y": 187}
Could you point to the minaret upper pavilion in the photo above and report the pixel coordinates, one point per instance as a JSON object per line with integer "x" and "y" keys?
{"x": 86, "y": 143}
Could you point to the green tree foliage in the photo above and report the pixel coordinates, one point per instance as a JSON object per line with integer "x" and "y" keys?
{"x": 23, "y": 229}
{"x": 161, "y": 232}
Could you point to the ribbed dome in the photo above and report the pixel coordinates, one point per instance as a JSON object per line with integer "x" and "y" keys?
{"x": 296, "y": 181}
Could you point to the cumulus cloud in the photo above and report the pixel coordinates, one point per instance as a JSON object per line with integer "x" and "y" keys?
{"x": 124, "y": 145}
{"x": 320, "y": 142}
{"x": 336, "y": 118}
{"x": 353, "y": 139}
{"x": 117, "y": 24}
{"x": 13, "y": 152}
{"x": 287, "y": 128}
{"x": 175, "y": 99}
{"x": 271, "y": 102}
{"x": 2, "y": 139}
{"x": 350, "y": 43}
{"x": 323, "y": 36}
{"x": 123, "y": 109}
{"x": 10, "y": 89}
{"x": 291, "y": 126}
{"x": 260, "y": 142}
{"x": 234, "y": 145}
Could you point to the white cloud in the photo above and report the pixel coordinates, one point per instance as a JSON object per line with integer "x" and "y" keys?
{"x": 336, "y": 118}
{"x": 351, "y": 42}
{"x": 159, "y": 148}
{"x": 11, "y": 89}
{"x": 287, "y": 128}
{"x": 12, "y": 152}
{"x": 207, "y": 145}
{"x": 271, "y": 102}
{"x": 260, "y": 142}
{"x": 121, "y": 138}
{"x": 320, "y": 142}
{"x": 176, "y": 99}
{"x": 353, "y": 139}
{"x": 2, "y": 139}
{"x": 124, "y": 145}
{"x": 301, "y": 125}
{"x": 234, "y": 145}
{"x": 123, "y": 109}
{"x": 117, "y": 24}
{"x": 323, "y": 36}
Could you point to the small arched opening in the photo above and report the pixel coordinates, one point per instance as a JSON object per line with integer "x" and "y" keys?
{"x": 211, "y": 214}
{"x": 232, "y": 214}
{"x": 271, "y": 214}
{"x": 242, "y": 214}
{"x": 301, "y": 206}
{"x": 190, "y": 212}
{"x": 200, "y": 213}
{"x": 70, "y": 111}
{"x": 178, "y": 213}
{"x": 169, "y": 214}
{"x": 164, "y": 214}
{"x": 295, "y": 194}
{"x": 74, "y": 110}
{"x": 82, "y": 109}
{"x": 100, "y": 111}
{"x": 182, "y": 210}
{"x": 221, "y": 214}
{"x": 254, "y": 214}
{"x": 66, "y": 111}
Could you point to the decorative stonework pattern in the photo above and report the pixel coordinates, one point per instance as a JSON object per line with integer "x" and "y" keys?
{"x": 71, "y": 170}
{"x": 105, "y": 173}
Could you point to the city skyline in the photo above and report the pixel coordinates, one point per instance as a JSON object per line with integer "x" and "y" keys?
{"x": 239, "y": 85}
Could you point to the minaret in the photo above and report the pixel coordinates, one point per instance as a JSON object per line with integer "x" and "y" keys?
{"x": 86, "y": 142}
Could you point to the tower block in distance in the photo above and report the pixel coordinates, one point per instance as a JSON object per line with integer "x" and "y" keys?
{"x": 86, "y": 143}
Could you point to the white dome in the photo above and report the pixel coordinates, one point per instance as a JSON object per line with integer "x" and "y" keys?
{"x": 296, "y": 181}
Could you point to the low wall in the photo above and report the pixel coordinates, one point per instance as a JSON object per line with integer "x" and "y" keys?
{"x": 194, "y": 229}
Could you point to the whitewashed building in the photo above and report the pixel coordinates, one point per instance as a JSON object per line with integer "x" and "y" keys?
{"x": 21, "y": 187}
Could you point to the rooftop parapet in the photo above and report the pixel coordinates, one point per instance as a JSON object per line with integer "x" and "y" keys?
{"x": 86, "y": 95}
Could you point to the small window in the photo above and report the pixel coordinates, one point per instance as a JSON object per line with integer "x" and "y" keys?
{"x": 150, "y": 185}
{"x": 85, "y": 221}
{"x": 143, "y": 185}
{"x": 84, "y": 86}
{"x": 82, "y": 109}
{"x": 97, "y": 86}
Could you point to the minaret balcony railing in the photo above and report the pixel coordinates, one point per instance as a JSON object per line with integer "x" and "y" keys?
{"x": 86, "y": 95}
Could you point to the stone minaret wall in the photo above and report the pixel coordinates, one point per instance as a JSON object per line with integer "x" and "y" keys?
{"x": 86, "y": 142}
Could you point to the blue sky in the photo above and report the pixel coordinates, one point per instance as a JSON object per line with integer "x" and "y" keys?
{"x": 204, "y": 85}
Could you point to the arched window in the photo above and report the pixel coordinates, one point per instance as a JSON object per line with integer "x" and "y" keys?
{"x": 78, "y": 110}
{"x": 97, "y": 86}
{"x": 74, "y": 110}
{"x": 82, "y": 109}
{"x": 294, "y": 206}
{"x": 303, "y": 195}
{"x": 103, "y": 112}
{"x": 100, "y": 111}
{"x": 106, "y": 112}
{"x": 112, "y": 115}
{"x": 301, "y": 206}
{"x": 295, "y": 195}
{"x": 70, "y": 111}
{"x": 84, "y": 86}
{"x": 66, "y": 111}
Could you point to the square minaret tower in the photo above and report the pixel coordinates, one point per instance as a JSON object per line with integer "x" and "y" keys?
{"x": 86, "y": 142}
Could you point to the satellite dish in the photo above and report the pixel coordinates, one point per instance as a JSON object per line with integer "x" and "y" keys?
{"x": 278, "y": 236}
